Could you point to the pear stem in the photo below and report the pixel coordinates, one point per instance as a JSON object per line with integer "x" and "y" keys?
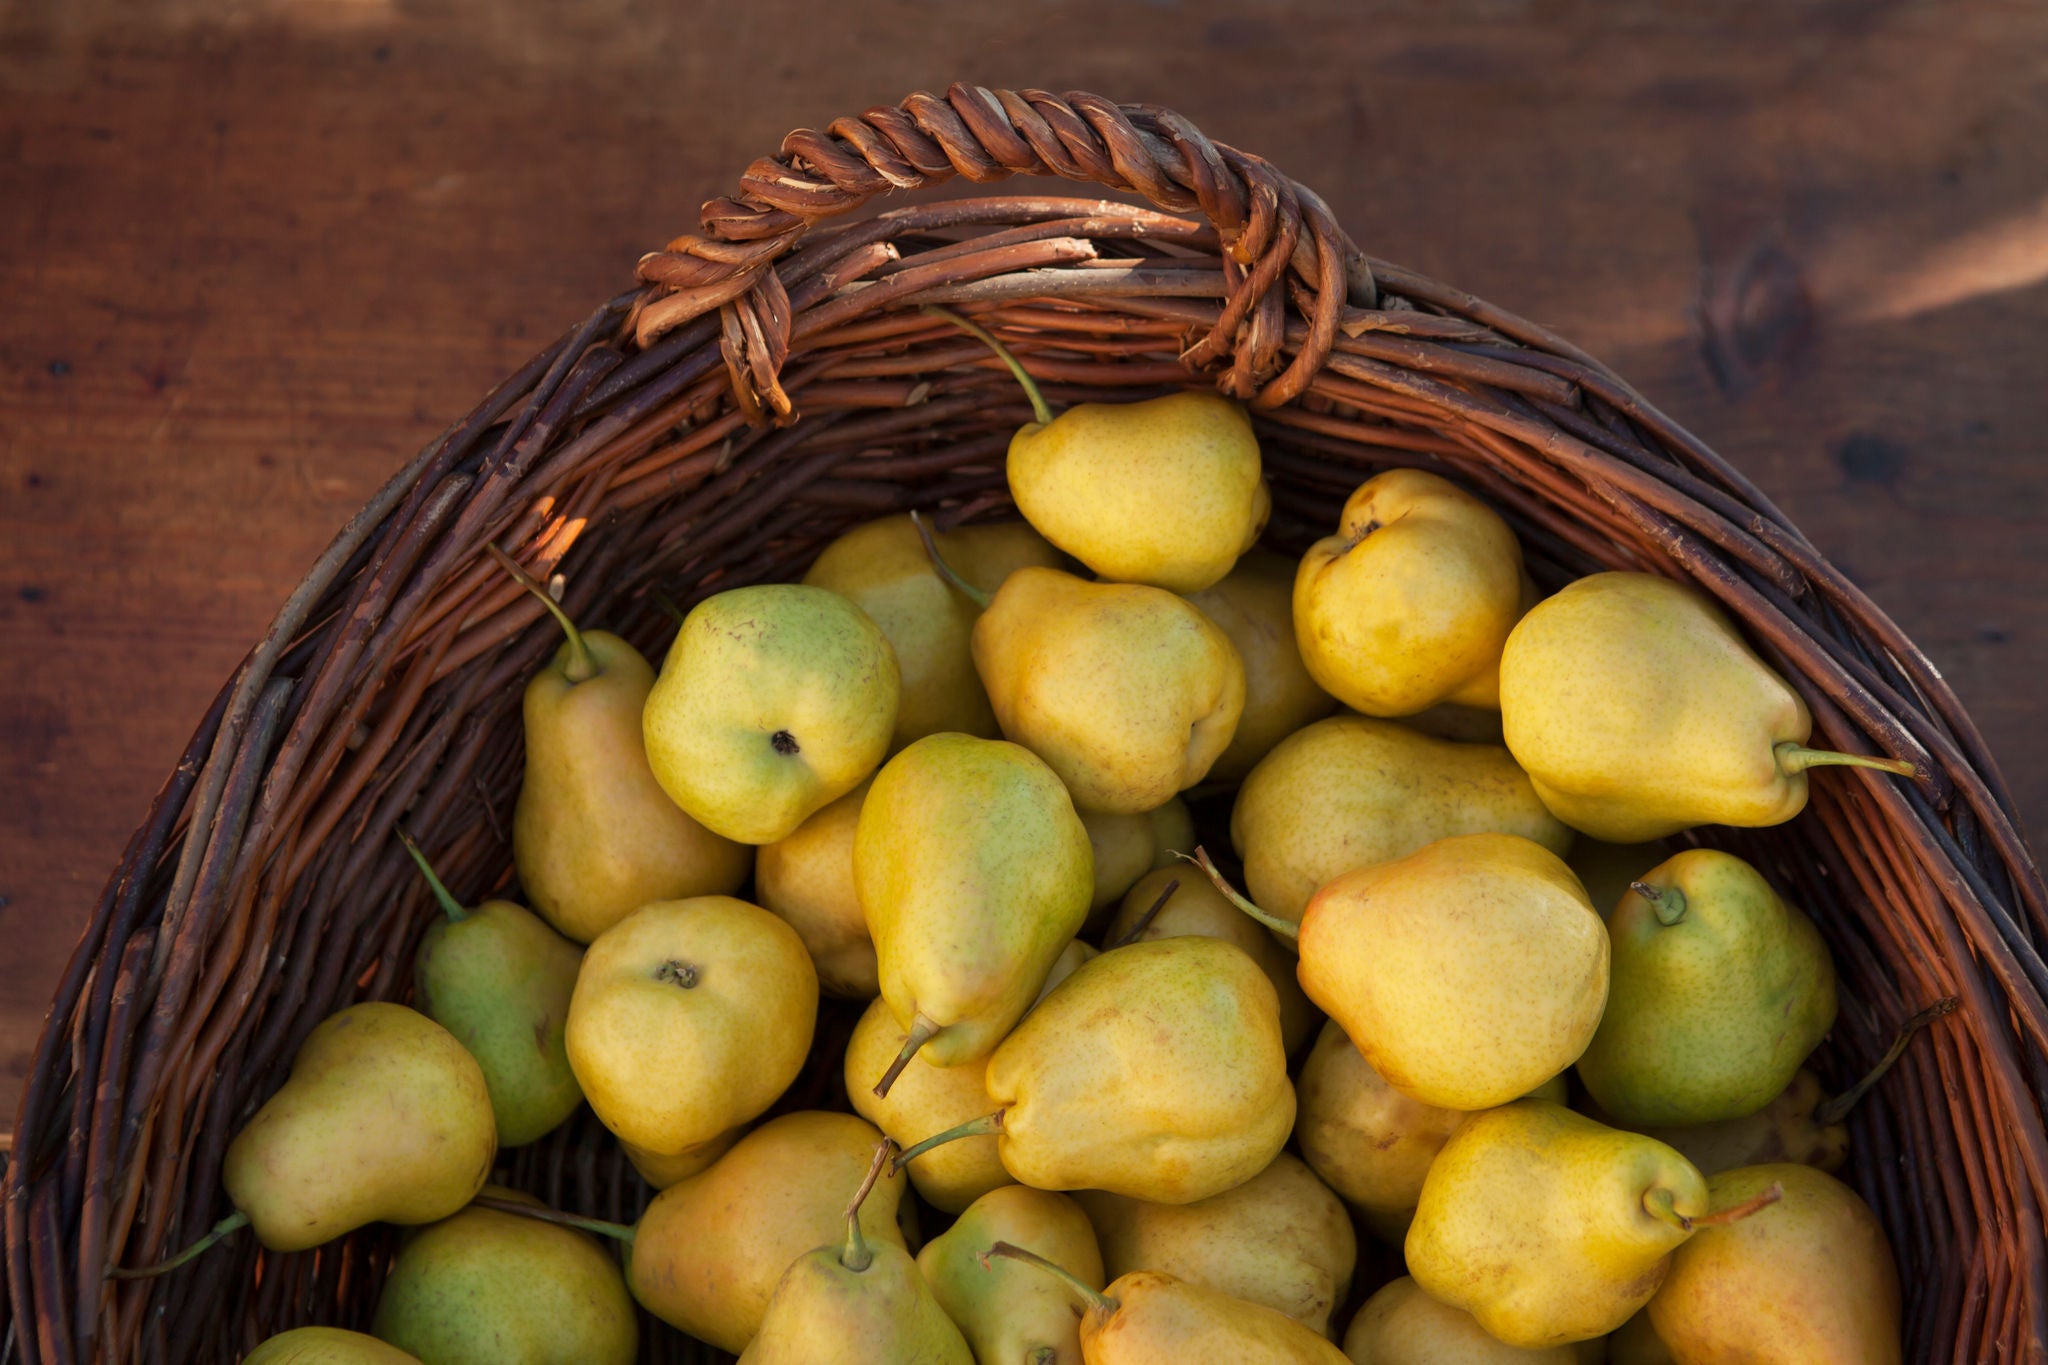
{"x": 456, "y": 911}
{"x": 1038, "y": 405}
{"x": 921, "y": 1032}
{"x": 227, "y": 1226}
{"x": 1666, "y": 902}
{"x": 945, "y": 570}
{"x": 1144, "y": 921}
{"x": 1286, "y": 929}
{"x": 581, "y": 667}
{"x": 1797, "y": 758}
{"x": 1658, "y": 1204}
{"x": 540, "y": 1213}
{"x": 985, "y": 1126}
{"x": 1097, "y": 1301}
{"x": 855, "y": 1255}
{"x": 667, "y": 605}
{"x": 1835, "y": 1110}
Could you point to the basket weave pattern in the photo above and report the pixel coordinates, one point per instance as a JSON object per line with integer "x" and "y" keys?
{"x": 657, "y": 445}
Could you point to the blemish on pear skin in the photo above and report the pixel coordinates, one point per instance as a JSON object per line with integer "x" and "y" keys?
{"x": 540, "y": 1034}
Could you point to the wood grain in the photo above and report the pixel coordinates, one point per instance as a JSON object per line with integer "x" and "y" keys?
{"x": 253, "y": 255}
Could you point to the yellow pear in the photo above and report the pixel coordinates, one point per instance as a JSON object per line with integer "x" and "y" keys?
{"x": 690, "y": 1017}
{"x": 1401, "y": 1325}
{"x": 1128, "y": 846}
{"x": 710, "y": 1249}
{"x": 925, "y": 1099}
{"x": 1195, "y": 906}
{"x": 1372, "y": 1144}
{"x": 1638, "y": 711}
{"x": 1128, "y": 692}
{"x": 1410, "y": 602}
{"x": 1809, "y": 1279}
{"x": 1009, "y": 1312}
{"x": 326, "y": 1346}
{"x": 593, "y": 834}
{"x": 773, "y": 702}
{"x": 974, "y": 873}
{"x": 1468, "y": 973}
{"x": 1280, "y": 1239}
{"x": 882, "y": 566}
{"x": 662, "y": 1169}
{"x": 807, "y": 879}
{"x": 1254, "y": 606}
{"x": 1070, "y": 959}
{"x": 1349, "y": 792}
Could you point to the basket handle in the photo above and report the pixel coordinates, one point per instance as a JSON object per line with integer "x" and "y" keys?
{"x": 1268, "y": 224}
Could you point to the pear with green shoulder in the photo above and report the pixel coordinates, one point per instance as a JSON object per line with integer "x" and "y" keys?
{"x": 1006, "y": 1311}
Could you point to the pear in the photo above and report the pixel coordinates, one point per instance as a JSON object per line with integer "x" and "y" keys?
{"x": 499, "y": 980}
{"x": 1809, "y": 1279}
{"x": 1254, "y": 606}
{"x": 925, "y": 1099}
{"x": 326, "y": 1346}
{"x": 1194, "y": 906}
{"x": 1372, "y": 1144}
{"x": 1401, "y": 1325}
{"x": 1719, "y": 990}
{"x": 973, "y": 873}
{"x": 1464, "y": 724}
{"x": 1550, "y": 1228}
{"x": 593, "y": 834}
{"x": 807, "y": 879}
{"x": 1281, "y": 1239}
{"x": 883, "y": 568}
{"x": 1607, "y": 870}
{"x": 1128, "y": 846}
{"x": 1349, "y": 792}
{"x": 663, "y": 1169}
{"x": 690, "y": 1017}
{"x": 856, "y": 1303}
{"x": 1009, "y": 1312}
{"x": 1065, "y": 965}
{"x": 773, "y": 702}
{"x": 1636, "y": 1342}
{"x": 1410, "y": 602}
{"x": 1638, "y": 712}
{"x": 497, "y": 1289}
{"x": 1127, "y": 691}
{"x": 384, "y": 1118}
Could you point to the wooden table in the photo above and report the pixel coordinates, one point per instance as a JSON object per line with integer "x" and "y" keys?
{"x": 252, "y": 255}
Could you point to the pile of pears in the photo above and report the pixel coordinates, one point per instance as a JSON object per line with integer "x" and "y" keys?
{"x": 1459, "y": 1054}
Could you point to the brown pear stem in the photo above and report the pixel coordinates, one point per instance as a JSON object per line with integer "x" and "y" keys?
{"x": 855, "y": 1255}
{"x": 1658, "y": 1204}
{"x": 945, "y": 570}
{"x": 227, "y": 1226}
{"x": 1835, "y": 1110}
{"x": 581, "y": 667}
{"x": 1038, "y": 404}
{"x": 1097, "y": 1301}
{"x": 921, "y": 1032}
{"x": 1144, "y": 921}
{"x": 1797, "y": 758}
{"x": 985, "y": 1126}
{"x": 453, "y": 908}
{"x": 1666, "y": 902}
{"x": 1735, "y": 1213}
{"x": 540, "y": 1213}
{"x": 1288, "y": 930}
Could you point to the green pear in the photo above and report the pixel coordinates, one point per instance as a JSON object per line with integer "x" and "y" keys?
{"x": 1127, "y": 846}
{"x": 1009, "y": 1312}
{"x": 690, "y": 1017}
{"x": 493, "y": 1288}
{"x": 773, "y": 702}
{"x": 1254, "y": 606}
{"x": 974, "y": 873}
{"x": 593, "y": 834}
{"x": 1369, "y": 1142}
{"x": 1128, "y": 692}
{"x": 1638, "y": 712}
{"x": 882, "y": 566}
{"x": 326, "y": 1346}
{"x": 1719, "y": 990}
{"x": 1281, "y": 1239}
{"x": 1550, "y": 1228}
{"x": 1410, "y": 602}
{"x": 1349, "y": 792}
{"x": 384, "y": 1118}
{"x": 807, "y": 879}
{"x": 499, "y": 980}
{"x": 925, "y": 1099}
{"x": 1809, "y": 1279}
{"x": 1401, "y": 1325}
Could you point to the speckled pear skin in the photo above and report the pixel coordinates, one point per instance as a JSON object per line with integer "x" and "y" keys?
{"x": 1351, "y": 791}
{"x": 1533, "y": 1220}
{"x": 1709, "y": 1018}
{"x": 1639, "y": 712}
{"x": 1128, "y": 845}
{"x": 1155, "y": 1071}
{"x": 1783, "y": 1130}
{"x": 925, "y": 1099}
{"x": 1160, "y": 1320}
{"x": 1010, "y": 1312}
{"x": 1401, "y": 1325}
{"x": 825, "y": 1313}
{"x": 1809, "y": 1279}
{"x": 1410, "y": 602}
{"x": 1254, "y": 606}
{"x": 326, "y": 1346}
{"x": 807, "y": 879}
{"x": 973, "y": 872}
{"x": 1468, "y": 973}
{"x": 1166, "y": 491}
{"x": 1129, "y": 693}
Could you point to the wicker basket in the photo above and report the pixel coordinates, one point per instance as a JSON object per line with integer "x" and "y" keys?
{"x": 657, "y": 444}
